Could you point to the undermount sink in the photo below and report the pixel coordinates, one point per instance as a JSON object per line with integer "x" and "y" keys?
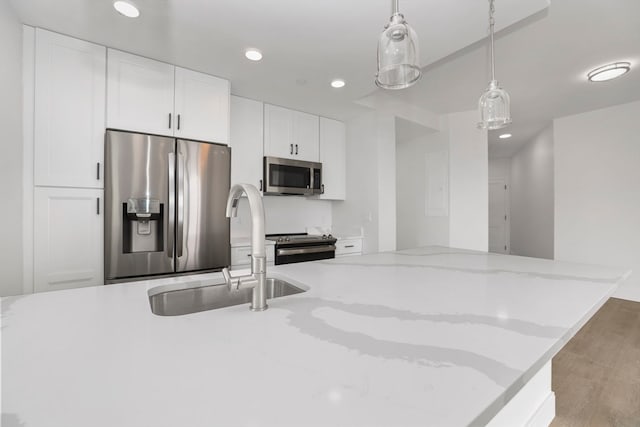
{"x": 193, "y": 300}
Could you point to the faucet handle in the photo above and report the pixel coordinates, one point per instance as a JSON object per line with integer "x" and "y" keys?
{"x": 232, "y": 282}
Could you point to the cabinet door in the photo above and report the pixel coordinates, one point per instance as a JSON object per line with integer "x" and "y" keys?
{"x": 306, "y": 136}
{"x": 68, "y": 238}
{"x": 69, "y": 111}
{"x": 333, "y": 158}
{"x": 246, "y": 141}
{"x": 201, "y": 107}
{"x": 278, "y": 132}
{"x": 139, "y": 94}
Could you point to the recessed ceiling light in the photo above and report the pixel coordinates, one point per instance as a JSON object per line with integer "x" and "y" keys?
{"x": 337, "y": 83}
{"x": 505, "y": 136}
{"x": 253, "y": 54}
{"x": 127, "y": 9}
{"x": 609, "y": 71}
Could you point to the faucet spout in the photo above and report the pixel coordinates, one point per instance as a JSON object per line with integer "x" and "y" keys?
{"x": 257, "y": 280}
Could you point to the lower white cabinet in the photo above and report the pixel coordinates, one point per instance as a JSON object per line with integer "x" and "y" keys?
{"x": 346, "y": 247}
{"x": 68, "y": 238}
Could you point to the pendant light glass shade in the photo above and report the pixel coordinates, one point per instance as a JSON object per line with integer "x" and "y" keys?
{"x": 494, "y": 105}
{"x": 398, "y": 54}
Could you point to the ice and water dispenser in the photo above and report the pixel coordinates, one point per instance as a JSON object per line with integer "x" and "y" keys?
{"x": 142, "y": 229}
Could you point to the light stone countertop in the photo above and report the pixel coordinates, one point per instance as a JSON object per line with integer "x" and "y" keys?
{"x": 430, "y": 336}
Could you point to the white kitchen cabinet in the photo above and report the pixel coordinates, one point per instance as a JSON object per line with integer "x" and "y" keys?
{"x": 333, "y": 159}
{"x": 291, "y": 134}
{"x": 69, "y": 119}
{"x": 246, "y": 141}
{"x": 349, "y": 247}
{"x": 68, "y": 238}
{"x": 149, "y": 96}
{"x": 140, "y": 94}
{"x": 201, "y": 106}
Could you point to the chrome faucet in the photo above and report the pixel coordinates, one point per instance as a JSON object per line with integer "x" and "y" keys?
{"x": 257, "y": 280}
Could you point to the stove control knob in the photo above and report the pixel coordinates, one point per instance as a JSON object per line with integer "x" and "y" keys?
{"x": 324, "y": 236}
{"x": 329, "y": 236}
{"x": 287, "y": 239}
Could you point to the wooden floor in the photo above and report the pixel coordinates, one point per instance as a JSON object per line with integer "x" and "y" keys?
{"x": 596, "y": 377}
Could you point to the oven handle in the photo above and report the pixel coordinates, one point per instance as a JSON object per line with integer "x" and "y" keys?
{"x": 306, "y": 250}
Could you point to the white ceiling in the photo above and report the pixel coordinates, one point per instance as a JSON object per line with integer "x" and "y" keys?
{"x": 306, "y": 43}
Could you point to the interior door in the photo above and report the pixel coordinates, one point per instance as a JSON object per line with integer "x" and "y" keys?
{"x": 203, "y": 178}
{"x": 498, "y": 217}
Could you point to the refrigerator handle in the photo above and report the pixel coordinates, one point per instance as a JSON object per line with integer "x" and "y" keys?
{"x": 171, "y": 211}
{"x": 180, "y": 229}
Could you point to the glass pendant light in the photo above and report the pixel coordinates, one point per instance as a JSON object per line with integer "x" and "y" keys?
{"x": 494, "y": 104}
{"x": 398, "y": 53}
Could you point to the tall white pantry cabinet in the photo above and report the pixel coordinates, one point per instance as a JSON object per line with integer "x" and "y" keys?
{"x": 68, "y": 133}
{"x": 75, "y": 90}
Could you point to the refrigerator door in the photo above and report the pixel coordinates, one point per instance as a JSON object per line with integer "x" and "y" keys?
{"x": 139, "y": 204}
{"x": 203, "y": 175}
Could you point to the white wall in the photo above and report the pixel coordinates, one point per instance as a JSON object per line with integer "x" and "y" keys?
{"x": 532, "y": 205}
{"x": 284, "y": 214}
{"x": 597, "y": 197}
{"x": 468, "y": 183}
{"x": 371, "y": 176}
{"x": 414, "y": 227}
{"x": 11, "y": 149}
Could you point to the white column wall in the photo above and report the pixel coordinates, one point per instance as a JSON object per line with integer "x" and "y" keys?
{"x": 468, "y": 183}
{"x": 597, "y": 196}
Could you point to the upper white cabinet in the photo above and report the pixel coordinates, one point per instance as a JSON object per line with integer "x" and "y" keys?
{"x": 291, "y": 134}
{"x": 246, "y": 141}
{"x": 68, "y": 238}
{"x": 201, "y": 106}
{"x": 149, "y": 96}
{"x": 140, "y": 94}
{"x": 332, "y": 156}
{"x": 69, "y": 111}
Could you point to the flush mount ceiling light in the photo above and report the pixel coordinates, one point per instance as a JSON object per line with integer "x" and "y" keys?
{"x": 494, "y": 104}
{"x": 609, "y": 71}
{"x": 126, "y": 8}
{"x": 337, "y": 83}
{"x": 253, "y": 54}
{"x": 505, "y": 136}
{"x": 398, "y": 54}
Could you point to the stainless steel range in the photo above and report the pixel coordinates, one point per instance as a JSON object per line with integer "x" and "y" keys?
{"x": 301, "y": 247}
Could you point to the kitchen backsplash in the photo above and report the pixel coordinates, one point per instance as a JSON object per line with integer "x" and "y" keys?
{"x": 284, "y": 214}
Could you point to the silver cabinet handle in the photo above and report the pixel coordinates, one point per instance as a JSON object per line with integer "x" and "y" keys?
{"x": 322, "y": 189}
{"x": 169, "y": 120}
{"x": 97, "y": 205}
{"x": 178, "y": 121}
{"x": 290, "y": 148}
{"x": 296, "y": 149}
{"x": 260, "y": 185}
{"x": 172, "y": 197}
{"x": 350, "y": 246}
{"x": 180, "y": 228}
{"x": 98, "y": 171}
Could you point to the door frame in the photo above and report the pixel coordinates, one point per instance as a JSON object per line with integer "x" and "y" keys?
{"x": 507, "y": 200}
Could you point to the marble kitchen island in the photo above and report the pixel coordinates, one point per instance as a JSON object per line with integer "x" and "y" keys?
{"x": 423, "y": 337}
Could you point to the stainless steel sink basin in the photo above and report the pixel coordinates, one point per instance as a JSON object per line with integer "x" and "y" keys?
{"x": 185, "y": 301}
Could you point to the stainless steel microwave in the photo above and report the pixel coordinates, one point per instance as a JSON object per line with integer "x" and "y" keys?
{"x": 295, "y": 177}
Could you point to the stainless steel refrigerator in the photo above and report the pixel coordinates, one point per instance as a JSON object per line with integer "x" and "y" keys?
{"x": 165, "y": 201}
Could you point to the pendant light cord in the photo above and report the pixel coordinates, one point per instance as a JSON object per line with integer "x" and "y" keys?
{"x": 394, "y": 7}
{"x": 491, "y": 25}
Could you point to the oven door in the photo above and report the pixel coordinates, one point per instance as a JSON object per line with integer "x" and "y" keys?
{"x": 289, "y": 255}
{"x": 286, "y": 176}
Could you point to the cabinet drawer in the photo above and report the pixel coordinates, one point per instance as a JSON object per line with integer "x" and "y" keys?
{"x": 348, "y": 246}
{"x": 241, "y": 255}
